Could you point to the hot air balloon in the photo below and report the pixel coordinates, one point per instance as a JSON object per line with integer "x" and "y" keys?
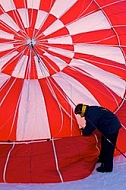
{"x": 55, "y": 54}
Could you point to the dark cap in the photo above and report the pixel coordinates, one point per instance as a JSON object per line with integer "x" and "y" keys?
{"x": 78, "y": 109}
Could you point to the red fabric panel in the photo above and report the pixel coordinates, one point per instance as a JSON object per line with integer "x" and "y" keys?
{"x": 121, "y": 142}
{"x": 79, "y": 157}
{"x": 8, "y": 109}
{"x": 113, "y": 10}
{"x": 61, "y": 32}
{"x": 121, "y": 113}
{"x": 1, "y": 9}
{"x": 121, "y": 30}
{"x": 46, "y": 5}
{"x": 106, "y": 37}
{"x": 79, "y": 9}
{"x": 18, "y": 167}
{"x": 44, "y": 171}
{"x": 32, "y": 163}
{"x": 4, "y": 149}
{"x": 20, "y": 4}
{"x": 35, "y": 163}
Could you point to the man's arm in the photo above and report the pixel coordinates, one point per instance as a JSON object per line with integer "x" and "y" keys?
{"x": 89, "y": 128}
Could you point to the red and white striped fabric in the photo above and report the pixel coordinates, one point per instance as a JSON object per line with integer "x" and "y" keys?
{"x": 55, "y": 54}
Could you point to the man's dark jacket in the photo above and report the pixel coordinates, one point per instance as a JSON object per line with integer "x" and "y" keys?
{"x": 102, "y": 119}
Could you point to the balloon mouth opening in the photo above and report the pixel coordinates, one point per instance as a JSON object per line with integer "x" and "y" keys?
{"x": 31, "y": 42}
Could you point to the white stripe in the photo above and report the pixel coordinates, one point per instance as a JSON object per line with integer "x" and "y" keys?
{"x": 60, "y": 40}
{"x": 6, "y": 35}
{"x": 60, "y": 7}
{"x": 53, "y": 27}
{"x": 92, "y": 22}
{"x": 64, "y": 52}
{"x": 56, "y": 160}
{"x": 41, "y": 17}
{"x": 42, "y": 70}
{"x": 96, "y": 138}
{"x": 74, "y": 89}
{"x": 24, "y": 16}
{"x": 6, "y": 58}
{"x": 104, "y": 51}
{"x": 7, "y": 5}
{"x": 115, "y": 83}
{"x": 33, "y": 4}
{"x": 6, "y": 163}
{"x": 20, "y": 68}
{"x": 3, "y": 79}
{"x": 59, "y": 62}
{"x": 9, "y": 21}
{"x": 5, "y": 46}
{"x": 32, "y": 113}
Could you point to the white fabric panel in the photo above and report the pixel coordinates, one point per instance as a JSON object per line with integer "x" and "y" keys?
{"x": 60, "y": 40}
{"x": 41, "y": 17}
{"x": 59, "y": 62}
{"x": 74, "y": 89}
{"x": 6, "y": 35}
{"x": 60, "y": 51}
{"x": 3, "y": 78}
{"x": 61, "y": 6}
{"x": 5, "y": 46}
{"x": 8, "y": 5}
{"x": 24, "y": 16}
{"x": 92, "y": 22}
{"x": 42, "y": 70}
{"x": 53, "y": 27}
{"x": 5, "y": 59}
{"x": 32, "y": 117}
{"x": 20, "y": 68}
{"x": 33, "y": 4}
{"x": 9, "y": 21}
{"x": 107, "y": 52}
{"x": 110, "y": 80}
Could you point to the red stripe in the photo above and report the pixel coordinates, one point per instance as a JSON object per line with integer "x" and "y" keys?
{"x": 96, "y": 37}
{"x": 8, "y": 109}
{"x": 61, "y": 32}
{"x": 46, "y": 5}
{"x": 116, "y": 12}
{"x": 20, "y": 4}
{"x": 32, "y": 20}
{"x": 10, "y": 65}
{"x": 1, "y": 10}
{"x": 78, "y": 10}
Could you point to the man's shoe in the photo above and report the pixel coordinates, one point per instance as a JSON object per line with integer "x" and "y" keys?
{"x": 102, "y": 169}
